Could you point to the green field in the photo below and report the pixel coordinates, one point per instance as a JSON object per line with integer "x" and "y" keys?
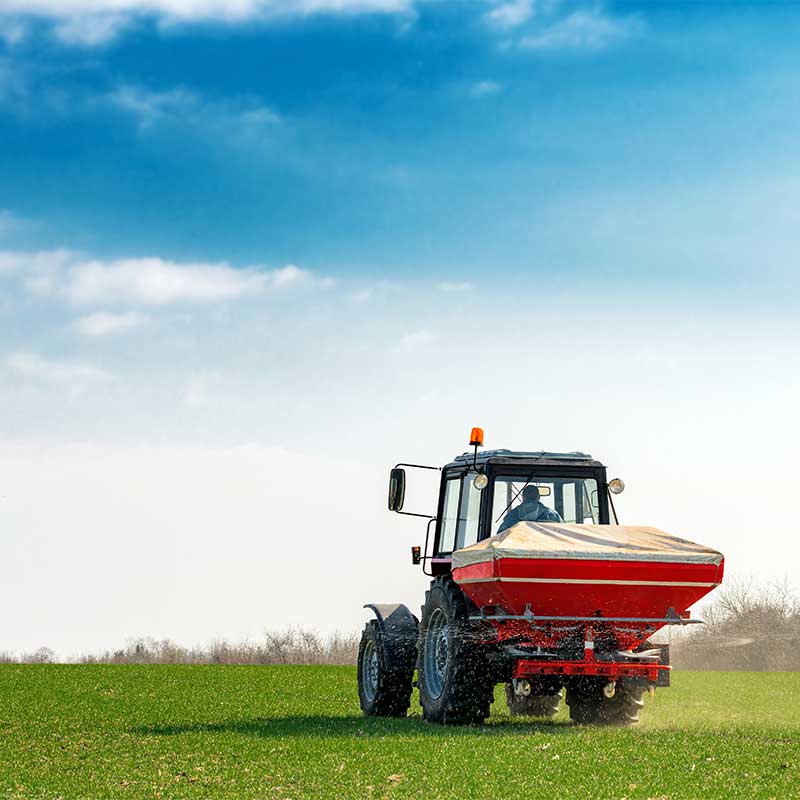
{"x": 296, "y": 732}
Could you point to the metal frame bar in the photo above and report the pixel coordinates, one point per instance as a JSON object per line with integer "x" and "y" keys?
{"x": 530, "y": 667}
{"x": 672, "y": 618}
{"x": 425, "y": 556}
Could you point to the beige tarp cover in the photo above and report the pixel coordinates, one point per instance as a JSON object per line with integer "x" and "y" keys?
{"x": 607, "y": 542}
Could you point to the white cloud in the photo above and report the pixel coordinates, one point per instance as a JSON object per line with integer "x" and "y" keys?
{"x": 339, "y": 6}
{"x": 288, "y": 275}
{"x": 97, "y": 22}
{"x": 9, "y": 263}
{"x": 8, "y": 224}
{"x": 202, "y": 389}
{"x": 12, "y": 31}
{"x": 201, "y": 9}
{"x": 39, "y": 271}
{"x": 510, "y": 14}
{"x": 483, "y": 88}
{"x": 455, "y": 286}
{"x": 74, "y": 376}
{"x": 143, "y": 282}
{"x": 91, "y": 30}
{"x": 215, "y": 119}
{"x": 415, "y": 340}
{"x": 582, "y": 30}
{"x": 103, "y": 323}
{"x": 155, "y": 282}
{"x": 362, "y": 296}
{"x": 242, "y": 117}
{"x": 378, "y": 291}
{"x": 14, "y": 82}
{"x": 149, "y": 106}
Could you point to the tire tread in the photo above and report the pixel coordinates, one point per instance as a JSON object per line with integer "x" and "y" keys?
{"x": 469, "y": 690}
{"x": 393, "y": 697}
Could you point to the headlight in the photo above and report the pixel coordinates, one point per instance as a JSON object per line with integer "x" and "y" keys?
{"x": 481, "y": 481}
{"x": 616, "y": 486}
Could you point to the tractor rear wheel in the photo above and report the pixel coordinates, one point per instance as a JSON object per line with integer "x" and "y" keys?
{"x": 455, "y": 684}
{"x": 531, "y": 705}
{"x": 589, "y": 706}
{"x": 382, "y": 692}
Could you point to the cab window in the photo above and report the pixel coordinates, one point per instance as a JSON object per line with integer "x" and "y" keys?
{"x": 574, "y": 500}
{"x": 447, "y": 530}
{"x": 468, "y": 512}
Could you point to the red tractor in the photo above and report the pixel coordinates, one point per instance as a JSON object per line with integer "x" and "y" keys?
{"x": 535, "y": 585}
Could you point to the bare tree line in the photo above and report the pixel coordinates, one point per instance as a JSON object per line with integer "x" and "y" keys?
{"x": 748, "y": 627}
{"x": 291, "y": 646}
{"x": 44, "y": 655}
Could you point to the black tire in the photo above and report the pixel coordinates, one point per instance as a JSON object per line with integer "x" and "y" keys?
{"x": 588, "y": 705}
{"x": 455, "y": 685}
{"x": 534, "y": 705}
{"x": 382, "y": 692}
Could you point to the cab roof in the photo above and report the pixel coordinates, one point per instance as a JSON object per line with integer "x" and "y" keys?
{"x": 521, "y": 457}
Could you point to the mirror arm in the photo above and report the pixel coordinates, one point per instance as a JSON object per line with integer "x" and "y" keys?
{"x": 611, "y": 503}
{"x": 425, "y": 555}
{"x": 411, "y": 514}
{"x": 415, "y": 466}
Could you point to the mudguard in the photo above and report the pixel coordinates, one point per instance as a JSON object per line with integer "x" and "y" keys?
{"x": 398, "y": 627}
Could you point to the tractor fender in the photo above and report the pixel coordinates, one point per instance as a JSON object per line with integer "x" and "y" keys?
{"x": 398, "y": 629}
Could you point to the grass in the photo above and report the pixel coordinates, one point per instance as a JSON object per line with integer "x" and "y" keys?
{"x": 296, "y": 732}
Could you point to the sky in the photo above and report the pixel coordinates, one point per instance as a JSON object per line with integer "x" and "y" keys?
{"x": 254, "y": 253}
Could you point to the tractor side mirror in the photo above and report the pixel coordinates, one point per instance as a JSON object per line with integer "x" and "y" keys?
{"x": 397, "y": 489}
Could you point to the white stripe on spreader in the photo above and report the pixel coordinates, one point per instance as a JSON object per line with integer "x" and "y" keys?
{"x": 587, "y": 580}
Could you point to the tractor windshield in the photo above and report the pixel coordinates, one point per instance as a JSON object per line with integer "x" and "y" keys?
{"x": 559, "y": 500}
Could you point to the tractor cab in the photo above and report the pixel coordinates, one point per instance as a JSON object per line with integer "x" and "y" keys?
{"x": 482, "y": 494}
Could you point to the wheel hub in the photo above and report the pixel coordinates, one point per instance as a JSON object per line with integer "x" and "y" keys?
{"x": 369, "y": 669}
{"x": 436, "y": 653}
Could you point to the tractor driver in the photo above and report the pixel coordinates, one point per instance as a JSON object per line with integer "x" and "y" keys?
{"x": 529, "y": 510}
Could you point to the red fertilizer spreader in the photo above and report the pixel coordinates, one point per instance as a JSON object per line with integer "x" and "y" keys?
{"x": 534, "y": 584}
{"x": 557, "y": 589}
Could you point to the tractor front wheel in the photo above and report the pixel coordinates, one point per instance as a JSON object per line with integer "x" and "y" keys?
{"x": 382, "y": 692}
{"x": 455, "y": 685}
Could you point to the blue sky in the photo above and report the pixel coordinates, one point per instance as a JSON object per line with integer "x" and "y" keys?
{"x": 375, "y": 143}
{"x": 338, "y": 233}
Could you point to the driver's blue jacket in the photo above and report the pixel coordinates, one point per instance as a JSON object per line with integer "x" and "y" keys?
{"x": 529, "y": 512}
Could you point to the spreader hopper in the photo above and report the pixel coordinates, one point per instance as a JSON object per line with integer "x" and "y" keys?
{"x": 630, "y": 579}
